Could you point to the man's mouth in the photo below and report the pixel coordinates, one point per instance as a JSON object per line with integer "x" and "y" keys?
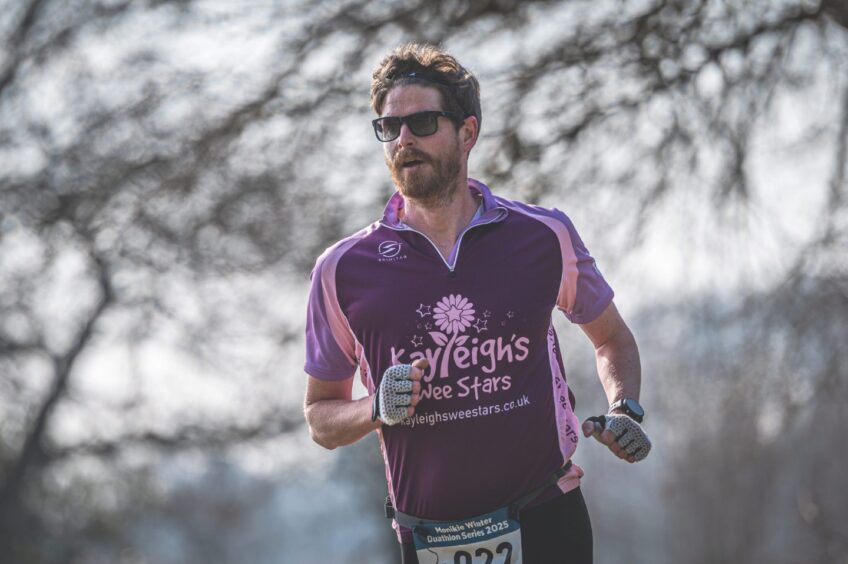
{"x": 409, "y": 160}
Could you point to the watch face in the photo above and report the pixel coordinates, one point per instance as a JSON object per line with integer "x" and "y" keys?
{"x": 633, "y": 406}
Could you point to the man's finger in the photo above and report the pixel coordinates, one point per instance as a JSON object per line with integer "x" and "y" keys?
{"x": 608, "y": 438}
{"x": 416, "y": 393}
{"x": 593, "y": 426}
{"x": 418, "y": 369}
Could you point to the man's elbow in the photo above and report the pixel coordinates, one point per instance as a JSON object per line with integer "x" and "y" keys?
{"x": 322, "y": 440}
{"x": 315, "y": 432}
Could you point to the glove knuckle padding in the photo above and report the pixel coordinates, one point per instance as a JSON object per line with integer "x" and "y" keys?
{"x": 400, "y": 386}
{"x": 395, "y": 393}
{"x": 629, "y": 435}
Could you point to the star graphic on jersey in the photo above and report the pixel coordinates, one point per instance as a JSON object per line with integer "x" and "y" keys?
{"x": 417, "y": 341}
{"x": 428, "y": 326}
{"x": 423, "y": 310}
{"x": 480, "y": 325}
{"x": 487, "y": 314}
{"x": 510, "y": 314}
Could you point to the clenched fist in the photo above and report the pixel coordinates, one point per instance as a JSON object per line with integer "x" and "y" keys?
{"x": 398, "y": 392}
{"x": 624, "y": 436}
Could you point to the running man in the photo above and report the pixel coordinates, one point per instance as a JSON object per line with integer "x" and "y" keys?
{"x": 445, "y": 307}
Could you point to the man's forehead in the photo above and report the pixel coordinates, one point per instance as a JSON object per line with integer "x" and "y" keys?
{"x": 409, "y": 98}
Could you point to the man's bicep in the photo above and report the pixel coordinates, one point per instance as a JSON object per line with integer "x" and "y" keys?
{"x": 318, "y": 390}
{"x": 605, "y": 327}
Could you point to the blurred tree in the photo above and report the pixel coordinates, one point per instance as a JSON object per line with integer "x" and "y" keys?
{"x": 167, "y": 167}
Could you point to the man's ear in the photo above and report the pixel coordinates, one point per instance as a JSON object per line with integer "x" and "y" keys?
{"x": 468, "y": 133}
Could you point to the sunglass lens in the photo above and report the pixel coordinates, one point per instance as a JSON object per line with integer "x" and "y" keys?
{"x": 423, "y": 123}
{"x": 387, "y": 128}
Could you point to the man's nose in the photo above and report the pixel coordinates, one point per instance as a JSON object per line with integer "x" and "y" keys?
{"x": 405, "y": 136}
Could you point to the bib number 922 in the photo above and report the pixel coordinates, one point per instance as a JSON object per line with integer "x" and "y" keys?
{"x": 485, "y": 556}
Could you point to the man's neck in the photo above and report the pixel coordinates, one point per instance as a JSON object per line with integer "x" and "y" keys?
{"x": 442, "y": 223}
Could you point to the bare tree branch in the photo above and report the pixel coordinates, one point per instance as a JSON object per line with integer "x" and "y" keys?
{"x": 840, "y": 161}
{"x": 13, "y": 60}
{"x": 32, "y": 451}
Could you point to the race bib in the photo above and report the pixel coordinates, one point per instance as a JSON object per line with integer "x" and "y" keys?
{"x": 491, "y": 538}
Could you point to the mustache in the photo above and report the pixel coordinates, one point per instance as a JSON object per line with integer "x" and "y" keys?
{"x": 407, "y": 155}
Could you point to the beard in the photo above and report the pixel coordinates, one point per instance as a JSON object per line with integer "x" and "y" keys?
{"x": 433, "y": 182}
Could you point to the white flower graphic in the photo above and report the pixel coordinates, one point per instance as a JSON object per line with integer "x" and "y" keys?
{"x": 453, "y": 314}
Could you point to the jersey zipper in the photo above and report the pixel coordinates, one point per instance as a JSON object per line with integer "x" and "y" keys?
{"x": 451, "y": 269}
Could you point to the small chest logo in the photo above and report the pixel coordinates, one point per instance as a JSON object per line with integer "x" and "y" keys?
{"x": 390, "y": 251}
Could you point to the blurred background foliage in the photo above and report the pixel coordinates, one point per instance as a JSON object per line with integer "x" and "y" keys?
{"x": 170, "y": 169}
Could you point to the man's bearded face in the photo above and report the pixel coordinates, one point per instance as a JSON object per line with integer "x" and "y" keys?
{"x": 430, "y": 179}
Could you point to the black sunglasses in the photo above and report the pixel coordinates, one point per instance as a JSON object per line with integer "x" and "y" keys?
{"x": 421, "y": 124}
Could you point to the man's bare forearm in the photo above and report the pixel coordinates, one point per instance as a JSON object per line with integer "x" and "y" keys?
{"x": 337, "y": 422}
{"x": 619, "y": 367}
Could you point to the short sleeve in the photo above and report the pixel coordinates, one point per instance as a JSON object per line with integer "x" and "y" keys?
{"x": 330, "y": 346}
{"x": 585, "y": 294}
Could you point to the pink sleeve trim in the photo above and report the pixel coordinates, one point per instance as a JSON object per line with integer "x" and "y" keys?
{"x": 567, "y": 296}
{"x": 339, "y": 326}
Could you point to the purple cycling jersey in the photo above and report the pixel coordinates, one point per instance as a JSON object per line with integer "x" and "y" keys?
{"x": 495, "y": 419}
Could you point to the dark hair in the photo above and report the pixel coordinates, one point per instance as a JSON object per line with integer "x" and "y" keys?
{"x": 427, "y": 65}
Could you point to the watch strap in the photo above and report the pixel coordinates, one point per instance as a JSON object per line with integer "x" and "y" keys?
{"x": 622, "y": 405}
{"x": 375, "y": 405}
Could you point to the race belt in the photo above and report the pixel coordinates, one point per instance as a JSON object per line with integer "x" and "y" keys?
{"x": 490, "y": 538}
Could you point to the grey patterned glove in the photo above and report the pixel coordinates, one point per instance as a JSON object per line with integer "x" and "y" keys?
{"x": 628, "y": 434}
{"x": 393, "y": 396}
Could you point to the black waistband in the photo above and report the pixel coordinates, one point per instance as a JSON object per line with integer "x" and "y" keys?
{"x": 410, "y": 521}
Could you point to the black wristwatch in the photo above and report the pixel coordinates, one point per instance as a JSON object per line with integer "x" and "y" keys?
{"x": 630, "y": 407}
